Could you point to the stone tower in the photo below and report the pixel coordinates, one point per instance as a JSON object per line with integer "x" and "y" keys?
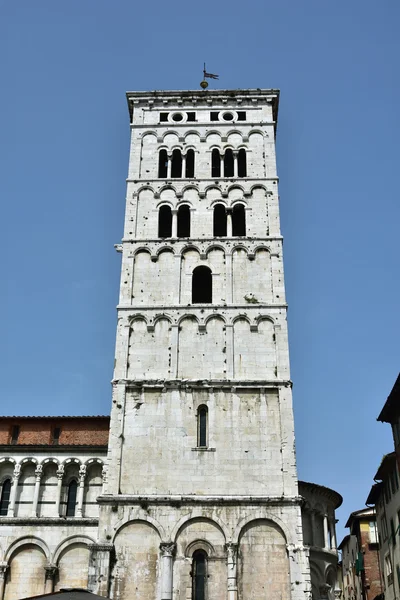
{"x": 201, "y": 500}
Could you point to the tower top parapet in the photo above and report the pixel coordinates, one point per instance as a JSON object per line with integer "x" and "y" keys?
{"x": 163, "y": 98}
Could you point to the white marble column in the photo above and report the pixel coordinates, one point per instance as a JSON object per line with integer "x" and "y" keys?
{"x": 232, "y": 570}
{"x": 60, "y": 475}
{"x": 38, "y": 477}
{"x": 235, "y": 164}
{"x": 183, "y": 166}
{"x": 333, "y": 534}
{"x": 13, "y": 494}
{"x": 3, "y": 574}
{"x": 174, "y": 232}
{"x": 167, "y": 557}
{"x": 82, "y": 476}
{"x": 228, "y": 222}
{"x": 222, "y": 165}
{"x": 326, "y": 535}
{"x": 50, "y": 573}
{"x": 169, "y": 166}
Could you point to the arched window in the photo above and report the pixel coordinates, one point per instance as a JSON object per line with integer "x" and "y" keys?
{"x": 184, "y": 221}
{"x": 199, "y": 575}
{"x": 228, "y": 163}
{"x": 164, "y": 221}
{"x": 189, "y": 163}
{"x": 201, "y": 286}
{"x": 215, "y": 163}
{"x": 202, "y": 419}
{"x": 5, "y": 497}
{"x": 71, "y": 498}
{"x": 176, "y": 168}
{"x": 219, "y": 220}
{"x": 238, "y": 220}
{"x": 162, "y": 163}
{"x": 242, "y": 167}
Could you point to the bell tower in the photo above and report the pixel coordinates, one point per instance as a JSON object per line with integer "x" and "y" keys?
{"x": 201, "y": 499}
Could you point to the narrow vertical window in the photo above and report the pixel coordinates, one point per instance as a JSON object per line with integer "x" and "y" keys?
{"x": 15, "y": 434}
{"x": 215, "y": 163}
{"x": 242, "y": 166}
{"x": 202, "y": 286}
{"x": 71, "y": 498}
{"x": 228, "y": 163}
{"x": 184, "y": 221}
{"x": 199, "y": 575}
{"x": 238, "y": 220}
{"x": 219, "y": 220}
{"x": 189, "y": 163}
{"x": 202, "y": 417}
{"x": 176, "y": 168}
{"x": 164, "y": 221}
{"x": 5, "y": 497}
{"x": 56, "y": 436}
{"x": 162, "y": 163}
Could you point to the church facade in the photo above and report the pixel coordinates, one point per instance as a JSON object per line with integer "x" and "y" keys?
{"x": 195, "y": 496}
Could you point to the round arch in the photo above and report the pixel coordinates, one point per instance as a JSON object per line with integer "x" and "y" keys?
{"x": 196, "y": 516}
{"x": 70, "y": 541}
{"x": 262, "y": 516}
{"x": 26, "y": 541}
{"x": 156, "y": 526}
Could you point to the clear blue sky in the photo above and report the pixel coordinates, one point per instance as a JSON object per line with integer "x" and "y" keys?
{"x": 64, "y": 152}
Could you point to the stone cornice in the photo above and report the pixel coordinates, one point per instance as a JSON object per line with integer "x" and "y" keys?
{"x": 231, "y": 385}
{"x": 70, "y": 449}
{"x": 52, "y": 521}
{"x": 177, "y": 499}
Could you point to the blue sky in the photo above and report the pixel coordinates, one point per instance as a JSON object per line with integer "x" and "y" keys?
{"x": 64, "y": 152}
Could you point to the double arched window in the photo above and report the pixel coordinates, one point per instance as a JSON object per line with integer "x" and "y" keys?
{"x": 237, "y": 223}
{"x": 176, "y": 165}
{"x": 5, "y": 497}
{"x": 199, "y": 575}
{"x": 202, "y": 285}
{"x": 230, "y": 164}
{"x": 166, "y": 220}
{"x": 71, "y": 498}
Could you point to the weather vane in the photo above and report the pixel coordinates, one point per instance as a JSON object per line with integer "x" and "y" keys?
{"x": 204, "y": 83}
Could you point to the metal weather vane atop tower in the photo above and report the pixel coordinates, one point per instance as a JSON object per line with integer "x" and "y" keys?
{"x": 204, "y": 83}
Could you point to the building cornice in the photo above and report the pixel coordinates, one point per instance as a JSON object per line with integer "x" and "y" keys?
{"x": 209, "y": 384}
{"x": 52, "y": 521}
{"x": 198, "y": 499}
{"x": 24, "y": 448}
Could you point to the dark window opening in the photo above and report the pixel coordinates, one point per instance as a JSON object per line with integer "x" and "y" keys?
{"x": 184, "y": 221}
{"x": 199, "y": 575}
{"x": 238, "y": 220}
{"x": 201, "y": 286}
{"x": 219, "y": 220}
{"x": 56, "y": 435}
{"x": 5, "y": 497}
{"x": 202, "y": 427}
{"x": 15, "y": 434}
{"x": 228, "y": 117}
{"x": 189, "y": 163}
{"x": 215, "y": 163}
{"x": 162, "y": 163}
{"x": 241, "y": 115}
{"x": 191, "y": 116}
{"x": 177, "y": 117}
{"x": 214, "y": 115}
{"x": 176, "y": 168}
{"x": 164, "y": 222}
{"x": 71, "y": 498}
{"x": 163, "y": 117}
{"x": 228, "y": 163}
{"x": 242, "y": 167}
